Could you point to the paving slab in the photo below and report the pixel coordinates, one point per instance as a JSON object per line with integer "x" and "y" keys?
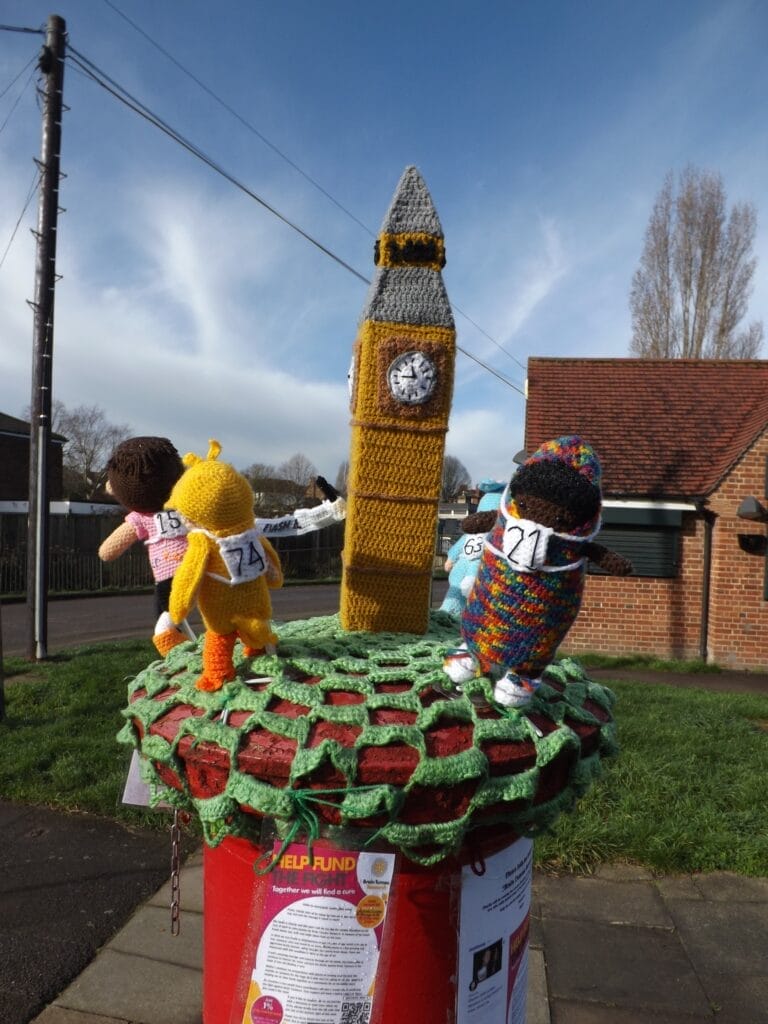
{"x": 622, "y": 966}
{"x": 585, "y": 1013}
{"x": 137, "y": 989}
{"x": 537, "y": 1006}
{"x": 593, "y": 899}
{"x": 738, "y": 999}
{"x": 148, "y": 935}
{"x": 191, "y": 887}
{"x": 623, "y": 873}
{"x": 678, "y": 887}
{"x": 58, "y": 1015}
{"x": 723, "y": 938}
{"x": 726, "y": 887}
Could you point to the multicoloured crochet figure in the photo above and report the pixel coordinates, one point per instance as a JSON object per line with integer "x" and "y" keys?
{"x": 140, "y": 474}
{"x": 228, "y": 568}
{"x": 463, "y": 558}
{"x": 531, "y": 577}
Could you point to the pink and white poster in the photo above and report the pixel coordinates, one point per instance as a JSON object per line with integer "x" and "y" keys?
{"x": 320, "y": 936}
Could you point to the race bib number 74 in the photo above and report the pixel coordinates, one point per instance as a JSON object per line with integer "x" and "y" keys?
{"x": 244, "y": 556}
{"x": 525, "y": 544}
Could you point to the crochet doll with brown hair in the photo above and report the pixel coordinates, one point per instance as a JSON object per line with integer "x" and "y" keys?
{"x": 141, "y": 474}
{"x": 531, "y": 579}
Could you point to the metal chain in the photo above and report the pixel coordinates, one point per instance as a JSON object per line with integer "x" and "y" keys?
{"x": 175, "y": 875}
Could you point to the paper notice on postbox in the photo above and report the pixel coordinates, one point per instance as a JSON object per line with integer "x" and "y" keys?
{"x": 493, "y": 938}
{"x": 318, "y": 945}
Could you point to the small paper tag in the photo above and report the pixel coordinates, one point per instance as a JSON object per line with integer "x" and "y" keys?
{"x": 136, "y": 792}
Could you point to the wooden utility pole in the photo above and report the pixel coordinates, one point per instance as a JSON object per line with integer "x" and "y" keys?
{"x": 51, "y": 64}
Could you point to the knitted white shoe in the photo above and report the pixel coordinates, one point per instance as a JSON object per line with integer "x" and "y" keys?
{"x": 513, "y": 692}
{"x": 460, "y": 666}
{"x": 164, "y": 623}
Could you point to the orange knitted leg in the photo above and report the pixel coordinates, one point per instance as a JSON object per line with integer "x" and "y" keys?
{"x": 217, "y": 661}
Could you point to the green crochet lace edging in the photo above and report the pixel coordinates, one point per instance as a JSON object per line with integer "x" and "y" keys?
{"x": 357, "y": 663}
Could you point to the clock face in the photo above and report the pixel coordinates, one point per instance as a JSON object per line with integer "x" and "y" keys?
{"x": 412, "y": 378}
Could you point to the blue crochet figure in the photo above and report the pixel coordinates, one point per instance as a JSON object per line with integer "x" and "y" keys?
{"x": 463, "y": 558}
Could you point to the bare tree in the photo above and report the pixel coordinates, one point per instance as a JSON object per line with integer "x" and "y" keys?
{"x": 455, "y": 478}
{"x": 691, "y": 289}
{"x": 299, "y": 471}
{"x": 91, "y": 439}
{"x": 342, "y": 477}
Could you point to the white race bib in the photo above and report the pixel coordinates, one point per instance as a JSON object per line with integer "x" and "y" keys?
{"x": 168, "y": 525}
{"x": 244, "y": 556}
{"x": 525, "y": 544}
{"x": 473, "y": 546}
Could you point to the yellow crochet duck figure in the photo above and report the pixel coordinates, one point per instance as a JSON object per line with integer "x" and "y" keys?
{"x": 228, "y": 567}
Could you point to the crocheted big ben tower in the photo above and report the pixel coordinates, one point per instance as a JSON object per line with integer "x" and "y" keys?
{"x": 401, "y": 386}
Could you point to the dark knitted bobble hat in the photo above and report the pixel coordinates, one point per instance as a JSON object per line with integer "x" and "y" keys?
{"x": 560, "y": 484}
{"x": 142, "y": 472}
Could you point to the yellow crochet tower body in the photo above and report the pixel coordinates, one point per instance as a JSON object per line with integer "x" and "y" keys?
{"x": 402, "y": 382}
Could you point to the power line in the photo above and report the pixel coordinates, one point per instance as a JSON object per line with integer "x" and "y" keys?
{"x": 27, "y": 201}
{"x": 17, "y": 100}
{"x": 92, "y": 71}
{"x": 267, "y": 142}
{"x": 17, "y": 28}
{"x": 15, "y": 80}
{"x": 116, "y": 90}
{"x": 247, "y": 124}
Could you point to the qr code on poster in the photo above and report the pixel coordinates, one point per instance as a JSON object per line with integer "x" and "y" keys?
{"x": 355, "y": 1013}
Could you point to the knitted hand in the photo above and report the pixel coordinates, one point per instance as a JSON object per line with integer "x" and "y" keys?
{"x": 611, "y": 561}
{"x": 117, "y": 542}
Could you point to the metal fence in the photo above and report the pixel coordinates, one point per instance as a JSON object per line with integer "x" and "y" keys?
{"x": 75, "y": 567}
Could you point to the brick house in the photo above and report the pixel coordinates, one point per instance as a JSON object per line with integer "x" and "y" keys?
{"x": 682, "y": 444}
{"x": 14, "y": 460}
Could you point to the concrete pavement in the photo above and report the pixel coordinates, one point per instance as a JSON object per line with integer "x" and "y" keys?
{"x": 621, "y": 947}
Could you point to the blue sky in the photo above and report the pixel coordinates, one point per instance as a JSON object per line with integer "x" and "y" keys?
{"x": 543, "y": 130}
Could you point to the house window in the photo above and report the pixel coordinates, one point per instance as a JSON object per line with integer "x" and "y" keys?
{"x": 648, "y": 537}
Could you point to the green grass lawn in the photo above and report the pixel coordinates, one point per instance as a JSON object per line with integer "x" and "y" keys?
{"x": 687, "y": 793}
{"x": 57, "y": 742}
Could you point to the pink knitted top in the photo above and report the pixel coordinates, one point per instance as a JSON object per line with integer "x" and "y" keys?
{"x": 165, "y": 537}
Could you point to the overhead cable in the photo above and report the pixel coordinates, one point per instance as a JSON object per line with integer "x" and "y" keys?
{"x": 101, "y": 78}
{"x": 17, "y": 28}
{"x": 16, "y": 102}
{"x": 27, "y": 201}
{"x": 243, "y": 121}
{"x": 18, "y": 76}
{"x": 267, "y": 142}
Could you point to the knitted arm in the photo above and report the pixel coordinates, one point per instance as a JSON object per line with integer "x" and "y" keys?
{"x": 321, "y": 515}
{"x": 188, "y": 577}
{"x": 117, "y": 542}
{"x": 613, "y": 563}
{"x": 274, "y": 574}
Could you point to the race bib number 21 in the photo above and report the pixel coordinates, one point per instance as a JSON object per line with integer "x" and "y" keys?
{"x": 525, "y": 544}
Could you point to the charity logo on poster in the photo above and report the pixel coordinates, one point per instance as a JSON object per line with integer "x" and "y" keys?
{"x": 317, "y": 949}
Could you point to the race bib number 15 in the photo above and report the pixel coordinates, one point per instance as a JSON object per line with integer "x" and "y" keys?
{"x": 169, "y": 525}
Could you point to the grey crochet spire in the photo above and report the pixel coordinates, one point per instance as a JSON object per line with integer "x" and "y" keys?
{"x": 412, "y": 208}
{"x": 407, "y": 287}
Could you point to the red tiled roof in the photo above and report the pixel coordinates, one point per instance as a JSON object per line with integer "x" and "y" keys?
{"x": 663, "y": 428}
